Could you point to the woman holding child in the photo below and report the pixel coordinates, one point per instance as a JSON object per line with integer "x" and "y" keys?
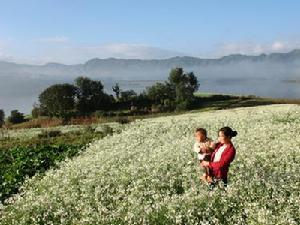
{"x": 221, "y": 155}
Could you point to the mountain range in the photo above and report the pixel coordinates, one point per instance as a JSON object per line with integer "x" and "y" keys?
{"x": 127, "y": 69}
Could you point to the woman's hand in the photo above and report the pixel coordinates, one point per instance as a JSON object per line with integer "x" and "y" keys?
{"x": 204, "y": 163}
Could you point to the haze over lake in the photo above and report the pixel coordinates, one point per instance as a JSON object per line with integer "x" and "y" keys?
{"x": 274, "y": 75}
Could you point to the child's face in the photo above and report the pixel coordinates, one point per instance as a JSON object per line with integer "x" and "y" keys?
{"x": 199, "y": 136}
{"x": 222, "y": 138}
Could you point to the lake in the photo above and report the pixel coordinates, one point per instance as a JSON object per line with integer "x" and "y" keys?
{"x": 23, "y": 99}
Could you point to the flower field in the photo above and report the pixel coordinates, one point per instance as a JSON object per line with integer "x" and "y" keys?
{"x": 34, "y": 132}
{"x": 148, "y": 174}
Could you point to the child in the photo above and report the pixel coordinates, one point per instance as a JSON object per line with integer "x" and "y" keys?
{"x": 204, "y": 146}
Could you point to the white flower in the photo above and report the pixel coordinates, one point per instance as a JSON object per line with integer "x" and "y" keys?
{"x": 148, "y": 174}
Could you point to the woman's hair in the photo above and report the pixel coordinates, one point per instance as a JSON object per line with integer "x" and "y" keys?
{"x": 201, "y": 130}
{"x": 228, "y": 132}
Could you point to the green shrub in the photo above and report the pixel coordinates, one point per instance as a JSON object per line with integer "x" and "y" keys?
{"x": 19, "y": 162}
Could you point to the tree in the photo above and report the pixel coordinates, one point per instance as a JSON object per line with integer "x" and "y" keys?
{"x": 2, "y": 117}
{"x": 177, "y": 90}
{"x": 176, "y": 76}
{"x": 192, "y": 82}
{"x": 142, "y": 100}
{"x": 117, "y": 90}
{"x": 16, "y": 117}
{"x": 58, "y": 100}
{"x": 185, "y": 84}
{"x": 128, "y": 95}
{"x": 90, "y": 96}
{"x": 37, "y": 111}
{"x": 160, "y": 92}
{"x": 162, "y": 96}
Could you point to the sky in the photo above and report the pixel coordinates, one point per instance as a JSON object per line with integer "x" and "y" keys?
{"x": 74, "y": 31}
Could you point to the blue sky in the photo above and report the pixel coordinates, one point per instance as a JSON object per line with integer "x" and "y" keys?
{"x": 39, "y": 31}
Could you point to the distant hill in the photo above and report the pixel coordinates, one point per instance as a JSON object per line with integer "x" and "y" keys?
{"x": 112, "y": 68}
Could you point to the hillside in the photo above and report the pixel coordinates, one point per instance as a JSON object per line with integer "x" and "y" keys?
{"x": 148, "y": 174}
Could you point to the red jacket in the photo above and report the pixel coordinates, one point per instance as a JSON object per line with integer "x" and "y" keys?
{"x": 220, "y": 169}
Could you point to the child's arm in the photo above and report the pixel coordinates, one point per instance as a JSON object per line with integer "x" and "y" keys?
{"x": 212, "y": 146}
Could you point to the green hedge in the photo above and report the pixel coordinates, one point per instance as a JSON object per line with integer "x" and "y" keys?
{"x": 19, "y": 162}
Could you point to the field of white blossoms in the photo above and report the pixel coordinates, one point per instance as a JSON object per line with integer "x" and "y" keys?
{"x": 33, "y": 132}
{"x": 148, "y": 174}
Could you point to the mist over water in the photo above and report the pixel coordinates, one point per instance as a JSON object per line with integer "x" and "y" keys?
{"x": 263, "y": 88}
{"x": 23, "y": 100}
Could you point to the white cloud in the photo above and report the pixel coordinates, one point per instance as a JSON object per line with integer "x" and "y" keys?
{"x": 137, "y": 51}
{"x": 72, "y": 54}
{"x": 278, "y": 46}
{"x": 55, "y": 39}
{"x": 253, "y": 48}
{"x": 60, "y": 49}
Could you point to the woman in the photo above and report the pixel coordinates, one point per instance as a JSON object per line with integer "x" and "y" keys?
{"x": 222, "y": 156}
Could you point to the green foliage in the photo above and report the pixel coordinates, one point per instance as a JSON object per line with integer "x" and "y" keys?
{"x": 176, "y": 93}
{"x": 58, "y": 100}
{"x": 16, "y": 117}
{"x": 90, "y": 96}
{"x": 20, "y": 162}
{"x": 117, "y": 90}
{"x": 160, "y": 92}
{"x": 127, "y": 95}
{"x": 24, "y": 158}
{"x": 21, "y": 159}
{"x": 37, "y": 111}
{"x": 183, "y": 105}
{"x": 2, "y": 117}
{"x": 185, "y": 85}
{"x": 87, "y": 97}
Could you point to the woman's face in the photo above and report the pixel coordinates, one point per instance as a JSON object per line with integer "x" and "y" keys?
{"x": 222, "y": 138}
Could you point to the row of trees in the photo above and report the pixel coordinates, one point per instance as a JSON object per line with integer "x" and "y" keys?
{"x": 15, "y": 117}
{"x": 2, "y": 117}
{"x": 64, "y": 100}
{"x": 87, "y": 96}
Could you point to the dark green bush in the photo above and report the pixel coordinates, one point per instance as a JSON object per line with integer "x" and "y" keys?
{"x": 19, "y": 162}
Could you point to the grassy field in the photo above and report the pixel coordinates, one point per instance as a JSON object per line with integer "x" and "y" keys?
{"x": 148, "y": 174}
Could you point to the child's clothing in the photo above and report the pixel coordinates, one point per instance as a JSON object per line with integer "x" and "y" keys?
{"x": 204, "y": 150}
{"x": 199, "y": 147}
